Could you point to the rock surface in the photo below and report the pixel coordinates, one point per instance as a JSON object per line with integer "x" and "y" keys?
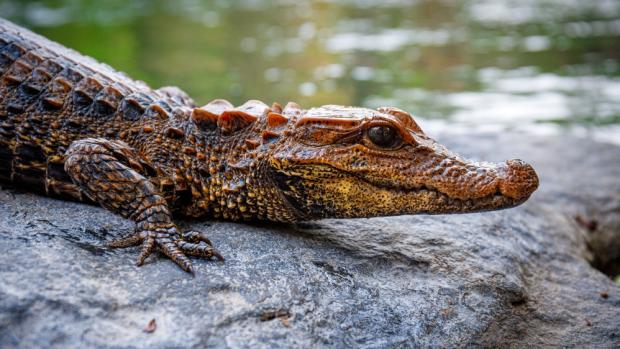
{"x": 510, "y": 278}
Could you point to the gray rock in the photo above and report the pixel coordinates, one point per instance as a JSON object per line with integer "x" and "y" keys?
{"x": 510, "y": 278}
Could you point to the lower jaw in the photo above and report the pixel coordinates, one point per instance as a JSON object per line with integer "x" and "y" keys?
{"x": 439, "y": 203}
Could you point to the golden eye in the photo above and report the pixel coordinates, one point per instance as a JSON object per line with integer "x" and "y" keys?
{"x": 384, "y": 136}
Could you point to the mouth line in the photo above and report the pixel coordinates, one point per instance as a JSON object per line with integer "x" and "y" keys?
{"x": 493, "y": 201}
{"x": 442, "y": 198}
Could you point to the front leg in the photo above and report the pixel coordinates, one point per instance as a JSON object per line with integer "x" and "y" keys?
{"x": 115, "y": 176}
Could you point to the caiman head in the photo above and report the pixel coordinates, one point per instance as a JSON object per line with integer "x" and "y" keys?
{"x": 346, "y": 162}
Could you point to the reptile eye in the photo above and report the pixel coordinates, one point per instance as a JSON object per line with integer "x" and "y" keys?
{"x": 383, "y": 136}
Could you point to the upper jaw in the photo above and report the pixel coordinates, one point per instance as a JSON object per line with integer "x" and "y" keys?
{"x": 459, "y": 179}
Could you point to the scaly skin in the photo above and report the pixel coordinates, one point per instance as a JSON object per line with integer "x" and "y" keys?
{"x": 74, "y": 128}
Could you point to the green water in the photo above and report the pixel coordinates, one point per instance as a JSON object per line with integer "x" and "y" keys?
{"x": 493, "y": 64}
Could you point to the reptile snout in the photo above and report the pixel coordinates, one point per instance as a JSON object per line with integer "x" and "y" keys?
{"x": 518, "y": 179}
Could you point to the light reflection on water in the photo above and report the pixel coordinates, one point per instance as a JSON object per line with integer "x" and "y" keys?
{"x": 542, "y": 66}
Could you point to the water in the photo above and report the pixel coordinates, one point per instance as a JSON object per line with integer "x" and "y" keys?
{"x": 546, "y": 66}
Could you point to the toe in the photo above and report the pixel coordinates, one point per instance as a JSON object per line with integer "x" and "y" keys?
{"x": 147, "y": 249}
{"x": 196, "y": 237}
{"x": 173, "y": 252}
{"x": 199, "y": 250}
{"x": 129, "y": 241}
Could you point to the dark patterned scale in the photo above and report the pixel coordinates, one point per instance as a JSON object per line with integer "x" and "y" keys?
{"x": 51, "y": 96}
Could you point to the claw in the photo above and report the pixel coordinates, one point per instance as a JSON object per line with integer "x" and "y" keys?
{"x": 190, "y": 269}
{"x": 218, "y": 255}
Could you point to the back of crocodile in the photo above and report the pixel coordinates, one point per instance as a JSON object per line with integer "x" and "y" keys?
{"x": 51, "y": 96}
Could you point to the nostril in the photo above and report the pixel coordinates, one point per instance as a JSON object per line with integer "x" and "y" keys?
{"x": 518, "y": 179}
{"x": 516, "y": 163}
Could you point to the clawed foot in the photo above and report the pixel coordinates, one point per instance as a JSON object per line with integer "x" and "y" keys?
{"x": 177, "y": 246}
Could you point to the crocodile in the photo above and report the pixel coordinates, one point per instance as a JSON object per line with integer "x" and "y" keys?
{"x": 74, "y": 128}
